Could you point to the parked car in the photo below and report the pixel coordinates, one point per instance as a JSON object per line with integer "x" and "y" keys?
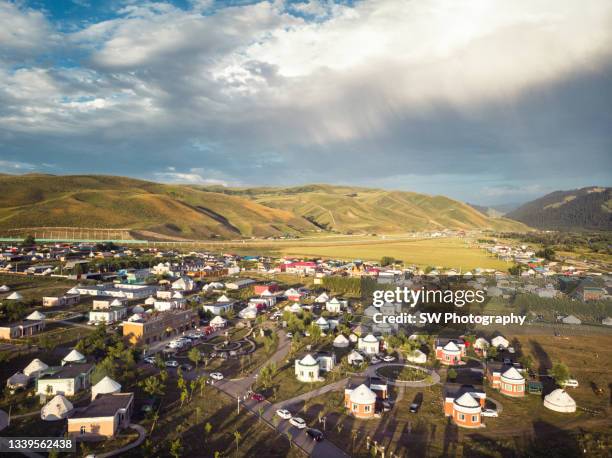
{"x": 172, "y": 363}
{"x": 298, "y": 422}
{"x": 389, "y": 359}
{"x": 416, "y": 403}
{"x": 571, "y": 382}
{"x": 258, "y": 397}
{"x": 374, "y": 360}
{"x": 289, "y": 335}
{"x": 489, "y": 413}
{"x": 284, "y": 414}
{"x": 216, "y": 376}
{"x": 149, "y": 360}
{"x": 315, "y": 434}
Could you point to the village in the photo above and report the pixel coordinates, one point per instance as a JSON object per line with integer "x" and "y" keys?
{"x": 282, "y": 356}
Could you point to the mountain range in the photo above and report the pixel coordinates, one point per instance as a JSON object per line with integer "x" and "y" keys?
{"x": 154, "y": 210}
{"x": 586, "y": 208}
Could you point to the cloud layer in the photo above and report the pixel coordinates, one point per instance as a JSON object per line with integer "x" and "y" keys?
{"x": 472, "y": 98}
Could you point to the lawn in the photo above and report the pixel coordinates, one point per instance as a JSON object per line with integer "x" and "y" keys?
{"x": 187, "y": 422}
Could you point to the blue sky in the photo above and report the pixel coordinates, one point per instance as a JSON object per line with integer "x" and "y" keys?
{"x": 487, "y": 101}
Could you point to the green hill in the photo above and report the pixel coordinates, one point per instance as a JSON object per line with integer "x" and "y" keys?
{"x": 196, "y": 212}
{"x": 587, "y": 208}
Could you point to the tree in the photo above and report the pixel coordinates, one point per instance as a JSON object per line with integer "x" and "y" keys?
{"x": 153, "y": 386}
{"x": 195, "y": 356}
{"x": 237, "y": 438}
{"x": 560, "y": 373}
{"x": 452, "y": 374}
{"x": 546, "y": 253}
{"x": 492, "y": 352}
{"x": 29, "y": 241}
{"x": 207, "y": 430}
{"x": 526, "y": 361}
{"x": 176, "y": 448}
{"x": 315, "y": 332}
{"x": 387, "y": 261}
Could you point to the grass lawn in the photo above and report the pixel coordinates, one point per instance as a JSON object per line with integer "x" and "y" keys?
{"x": 210, "y": 406}
{"x": 33, "y": 288}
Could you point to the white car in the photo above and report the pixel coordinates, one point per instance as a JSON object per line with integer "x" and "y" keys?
{"x": 216, "y": 376}
{"x": 172, "y": 363}
{"x": 571, "y": 382}
{"x": 284, "y": 414}
{"x": 290, "y": 335}
{"x": 298, "y": 422}
{"x": 374, "y": 360}
{"x": 149, "y": 360}
{"x": 489, "y": 413}
{"x": 389, "y": 359}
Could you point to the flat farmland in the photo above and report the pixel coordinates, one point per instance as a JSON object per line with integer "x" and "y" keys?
{"x": 441, "y": 252}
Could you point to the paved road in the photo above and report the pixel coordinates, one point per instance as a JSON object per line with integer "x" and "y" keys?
{"x": 340, "y": 384}
{"x": 141, "y": 437}
{"x": 239, "y": 387}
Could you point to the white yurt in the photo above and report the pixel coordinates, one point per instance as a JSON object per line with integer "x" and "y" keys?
{"x": 4, "y": 289}
{"x": 105, "y": 386}
{"x": 322, "y": 323}
{"x": 73, "y": 290}
{"x": 355, "y": 357}
{"x": 481, "y": 343}
{"x": 149, "y": 300}
{"x": 322, "y": 298}
{"x": 116, "y": 303}
{"x": 340, "y": 341}
{"x": 218, "y": 322}
{"x": 307, "y": 369}
{"x": 500, "y": 341}
{"x": 36, "y": 316}
{"x": 417, "y": 356}
{"x": 559, "y": 401}
{"x": 56, "y": 409}
{"x": 295, "y": 308}
{"x": 74, "y": 357}
{"x": 138, "y": 309}
{"x": 15, "y": 296}
{"x": 224, "y": 298}
{"x": 35, "y": 368}
{"x": 17, "y": 380}
{"x": 369, "y": 344}
{"x": 135, "y": 317}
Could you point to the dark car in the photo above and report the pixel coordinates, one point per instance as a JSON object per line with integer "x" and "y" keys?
{"x": 416, "y": 403}
{"x": 315, "y": 434}
{"x": 257, "y": 397}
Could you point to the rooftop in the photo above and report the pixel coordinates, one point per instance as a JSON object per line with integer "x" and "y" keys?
{"x": 106, "y": 405}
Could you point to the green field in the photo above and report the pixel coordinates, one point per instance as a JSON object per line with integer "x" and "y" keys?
{"x": 447, "y": 252}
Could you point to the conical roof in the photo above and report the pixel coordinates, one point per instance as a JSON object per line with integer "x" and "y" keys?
{"x": 57, "y": 408}
{"x": 363, "y": 395}
{"x": 72, "y": 290}
{"x": 295, "y": 307}
{"x": 34, "y": 367}
{"x": 559, "y": 401}
{"x": 4, "y": 289}
{"x": 355, "y": 355}
{"x": 218, "y": 320}
{"x": 138, "y": 309}
{"x": 18, "y": 379}
{"x": 308, "y": 360}
{"x": 14, "y": 296}
{"x": 323, "y": 297}
{"x": 334, "y": 301}
{"x": 467, "y": 400}
{"x": 36, "y": 315}
{"x": 150, "y": 300}
{"x": 370, "y": 339}
{"x": 105, "y": 386}
{"x": 116, "y": 303}
{"x": 451, "y": 347}
{"x": 177, "y": 295}
{"x": 321, "y": 320}
{"x": 74, "y": 356}
{"x": 513, "y": 375}
{"x": 223, "y": 298}
{"x": 340, "y": 339}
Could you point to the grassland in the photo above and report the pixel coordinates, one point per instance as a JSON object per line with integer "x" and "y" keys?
{"x": 525, "y": 427}
{"x": 442, "y": 252}
{"x": 195, "y": 213}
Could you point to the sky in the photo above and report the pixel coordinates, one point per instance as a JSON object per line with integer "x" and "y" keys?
{"x": 486, "y": 101}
